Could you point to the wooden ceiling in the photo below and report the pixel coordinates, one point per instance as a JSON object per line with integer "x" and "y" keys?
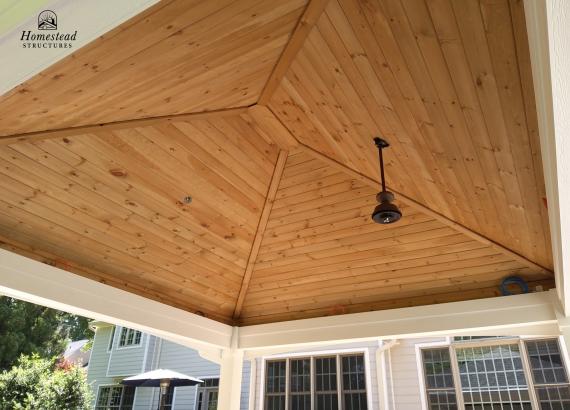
{"x": 99, "y": 152}
{"x": 178, "y": 56}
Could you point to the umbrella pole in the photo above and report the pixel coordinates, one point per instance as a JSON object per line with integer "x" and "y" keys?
{"x": 164, "y": 384}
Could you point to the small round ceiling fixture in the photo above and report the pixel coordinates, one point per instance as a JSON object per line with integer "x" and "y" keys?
{"x": 187, "y": 200}
{"x": 385, "y": 212}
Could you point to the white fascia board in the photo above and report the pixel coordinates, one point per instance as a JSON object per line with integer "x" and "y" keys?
{"x": 36, "y": 282}
{"x": 531, "y": 314}
{"x": 548, "y": 27}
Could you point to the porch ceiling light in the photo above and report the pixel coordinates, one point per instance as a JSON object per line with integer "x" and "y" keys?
{"x": 385, "y": 212}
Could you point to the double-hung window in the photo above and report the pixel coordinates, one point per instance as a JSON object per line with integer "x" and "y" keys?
{"x": 323, "y": 382}
{"x": 496, "y": 373}
{"x": 115, "y": 398}
{"x": 129, "y": 337}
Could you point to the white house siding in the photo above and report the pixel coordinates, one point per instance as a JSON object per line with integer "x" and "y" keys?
{"x": 185, "y": 360}
{"x": 370, "y": 347}
{"x": 127, "y": 361}
{"x": 97, "y": 373}
{"x": 404, "y": 382}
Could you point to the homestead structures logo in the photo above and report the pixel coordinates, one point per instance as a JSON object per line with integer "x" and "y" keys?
{"x": 47, "y": 20}
{"x": 49, "y": 37}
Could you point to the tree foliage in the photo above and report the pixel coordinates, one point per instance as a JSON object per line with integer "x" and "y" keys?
{"x": 26, "y": 328}
{"x": 36, "y": 383}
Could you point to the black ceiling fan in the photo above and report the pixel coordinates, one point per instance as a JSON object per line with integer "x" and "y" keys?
{"x": 385, "y": 212}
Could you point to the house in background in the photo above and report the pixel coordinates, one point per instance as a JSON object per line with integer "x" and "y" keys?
{"x": 409, "y": 374}
{"x": 76, "y": 353}
{"x": 119, "y": 352}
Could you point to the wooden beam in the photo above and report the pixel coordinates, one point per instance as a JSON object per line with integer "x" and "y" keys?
{"x": 312, "y": 13}
{"x": 271, "y": 193}
{"x": 143, "y": 122}
{"x": 411, "y": 202}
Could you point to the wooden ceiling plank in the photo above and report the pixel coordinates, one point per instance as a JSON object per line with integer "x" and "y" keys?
{"x": 371, "y": 258}
{"x": 81, "y": 183}
{"x": 346, "y": 255}
{"x": 310, "y": 16}
{"x": 61, "y": 235}
{"x": 503, "y": 49}
{"x": 205, "y": 182}
{"x": 159, "y": 187}
{"x": 454, "y": 170}
{"x": 79, "y": 223}
{"x": 452, "y": 48}
{"x": 460, "y": 143}
{"x": 89, "y": 129}
{"x": 435, "y": 215}
{"x": 366, "y": 286}
{"x": 323, "y": 103}
{"x": 373, "y": 294}
{"x": 446, "y": 254}
{"x": 410, "y": 299}
{"x": 203, "y": 162}
{"x": 379, "y": 90}
{"x": 351, "y": 235}
{"x": 23, "y": 245}
{"x": 332, "y": 230}
{"x": 436, "y": 263}
{"x": 473, "y": 34}
{"x": 199, "y": 140}
{"x": 256, "y": 245}
{"x": 265, "y": 123}
{"x": 525, "y": 70}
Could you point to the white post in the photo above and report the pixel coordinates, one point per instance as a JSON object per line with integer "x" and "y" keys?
{"x": 231, "y": 368}
{"x": 231, "y": 373}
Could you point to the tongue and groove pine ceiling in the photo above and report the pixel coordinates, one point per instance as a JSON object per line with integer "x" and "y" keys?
{"x": 263, "y": 113}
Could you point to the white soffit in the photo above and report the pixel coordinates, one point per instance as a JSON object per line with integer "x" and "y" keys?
{"x": 91, "y": 19}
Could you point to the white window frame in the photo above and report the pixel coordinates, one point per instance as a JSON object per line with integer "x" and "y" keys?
{"x": 312, "y": 355}
{"x": 453, "y": 345}
{"x": 111, "y": 341}
{"x": 132, "y": 346}
{"x": 113, "y": 385}
{"x": 198, "y": 387}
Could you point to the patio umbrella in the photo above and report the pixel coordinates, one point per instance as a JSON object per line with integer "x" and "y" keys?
{"x": 163, "y": 379}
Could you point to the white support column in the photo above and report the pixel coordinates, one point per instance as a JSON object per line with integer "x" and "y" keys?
{"x": 231, "y": 374}
{"x": 548, "y": 25}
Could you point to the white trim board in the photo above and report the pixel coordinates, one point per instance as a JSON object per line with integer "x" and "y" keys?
{"x": 548, "y": 32}
{"x": 531, "y": 314}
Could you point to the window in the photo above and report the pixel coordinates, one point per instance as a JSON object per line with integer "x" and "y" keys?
{"x": 129, "y": 337}
{"x": 207, "y": 395}
{"x": 493, "y": 377}
{"x": 439, "y": 379}
{"x": 275, "y": 382}
{"x": 115, "y": 398}
{"x": 322, "y": 382}
{"x": 353, "y": 382}
{"x": 497, "y": 374}
{"x": 110, "y": 347}
{"x": 548, "y": 373}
